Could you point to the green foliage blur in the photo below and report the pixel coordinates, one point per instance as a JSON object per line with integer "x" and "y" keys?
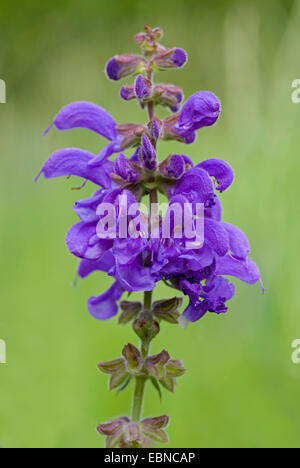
{"x": 241, "y": 388}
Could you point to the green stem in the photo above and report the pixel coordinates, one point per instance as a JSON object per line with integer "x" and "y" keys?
{"x": 138, "y": 398}
{"x": 140, "y": 381}
{"x": 147, "y": 300}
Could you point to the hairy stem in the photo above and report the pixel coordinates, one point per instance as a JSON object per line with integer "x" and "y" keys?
{"x": 138, "y": 398}
{"x": 140, "y": 381}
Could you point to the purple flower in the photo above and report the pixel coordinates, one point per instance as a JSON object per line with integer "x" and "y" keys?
{"x": 200, "y": 110}
{"x": 137, "y": 264}
{"x": 123, "y": 65}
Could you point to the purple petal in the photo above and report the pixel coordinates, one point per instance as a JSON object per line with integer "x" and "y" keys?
{"x": 105, "y": 153}
{"x": 216, "y": 236}
{"x": 74, "y": 161}
{"x": 245, "y": 270}
{"x": 219, "y": 169}
{"x": 86, "y": 208}
{"x": 135, "y": 277}
{"x": 106, "y": 264}
{"x": 238, "y": 242}
{"x": 86, "y": 115}
{"x": 82, "y": 241}
{"x": 105, "y": 306}
{"x": 217, "y": 293}
{"x": 200, "y": 258}
{"x": 215, "y": 210}
{"x": 194, "y": 312}
{"x": 196, "y": 185}
{"x": 126, "y": 250}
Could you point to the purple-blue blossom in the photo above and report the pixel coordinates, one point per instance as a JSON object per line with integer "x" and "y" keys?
{"x": 114, "y": 236}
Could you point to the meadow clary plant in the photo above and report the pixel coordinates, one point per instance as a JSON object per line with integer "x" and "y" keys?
{"x": 141, "y": 257}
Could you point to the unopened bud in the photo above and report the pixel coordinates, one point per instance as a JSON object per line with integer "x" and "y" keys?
{"x": 157, "y": 33}
{"x": 131, "y": 134}
{"x": 125, "y": 170}
{"x": 168, "y": 95}
{"x": 123, "y": 65}
{"x": 127, "y": 92}
{"x": 145, "y": 327}
{"x": 142, "y": 87}
{"x": 148, "y": 154}
{"x": 154, "y": 128}
{"x": 170, "y": 58}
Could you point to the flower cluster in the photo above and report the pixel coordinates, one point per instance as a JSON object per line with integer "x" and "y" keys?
{"x": 137, "y": 264}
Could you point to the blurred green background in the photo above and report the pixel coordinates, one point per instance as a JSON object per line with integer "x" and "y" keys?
{"x": 241, "y": 388}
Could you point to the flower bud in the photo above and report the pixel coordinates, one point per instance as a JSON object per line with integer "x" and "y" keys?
{"x": 173, "y": 167}
{"x": 157, "y": 33}
{"x": 200, "y": 110}
{"x": 148, "y": 154}
{"x": 154, "y": 128}
{"x": 167, "y": 309}
{"x": 168, "y": 95}
{"x": 145, "y": 327}
{"x": 170, "y": 58}
{"x": 130, "y": 311}
{"x": 123, "y": 65}
{"x": 124, "y": 169}
{"x": 133, "y": 358}
{"x": 142, "y": 87}
{"x": 127, "y": 92}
